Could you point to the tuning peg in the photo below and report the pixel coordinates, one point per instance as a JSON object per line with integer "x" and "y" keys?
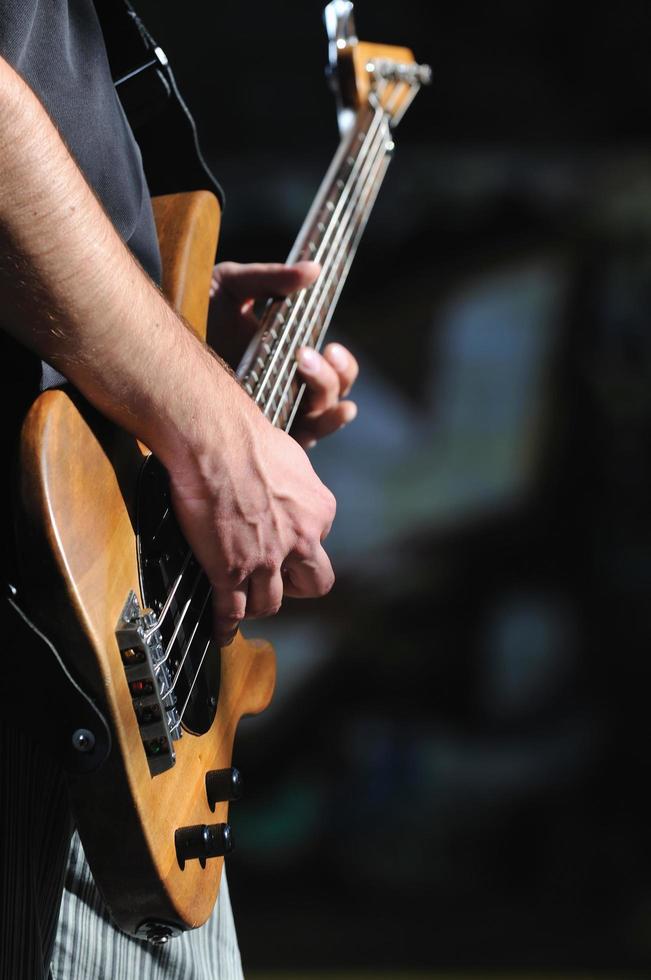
{"x": 223, "y": 786}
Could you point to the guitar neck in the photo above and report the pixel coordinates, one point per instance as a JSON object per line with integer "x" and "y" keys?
{"x": 330, "y": 236}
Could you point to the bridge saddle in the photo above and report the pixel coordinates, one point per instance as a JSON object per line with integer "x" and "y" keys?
{"x": 150, "y": 683}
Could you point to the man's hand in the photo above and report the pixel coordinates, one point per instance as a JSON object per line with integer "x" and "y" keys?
{"x": 232, "y": 323}
{"x": 255, "y": 515}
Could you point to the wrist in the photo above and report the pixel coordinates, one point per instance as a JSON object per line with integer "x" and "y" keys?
{"x": 208, "y": 422}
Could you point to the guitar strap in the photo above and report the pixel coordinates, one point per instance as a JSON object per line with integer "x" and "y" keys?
{"x": 44, "y": 699}
{"x": 157, "y": 113}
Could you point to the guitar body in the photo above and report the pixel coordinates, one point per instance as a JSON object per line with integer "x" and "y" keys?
{"x": 79, "y": 486}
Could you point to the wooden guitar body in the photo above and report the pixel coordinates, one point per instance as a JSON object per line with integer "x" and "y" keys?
{"x": 80, "y": 478}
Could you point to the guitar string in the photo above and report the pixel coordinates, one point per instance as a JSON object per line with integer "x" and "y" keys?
{"x": 382, "y": 106}
{"x": 337, "y": 277}
{"x": 162, "y": 616}
{"x": 361, "y": 225}
{"x": 194, "y": 681}
{"x": 351, "y": 212}
{"x": 328, "y": 272}
{"x": 384, "y": 109}
{"x": 341, "y": 279}
{"x": 334, "y": 224}
{"x": 179, "y": 623}
{"x": 184, "y": 655}
{"x": 323, "y": 313}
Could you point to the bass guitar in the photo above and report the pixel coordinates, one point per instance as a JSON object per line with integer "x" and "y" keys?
{"x": 110, "y": 580}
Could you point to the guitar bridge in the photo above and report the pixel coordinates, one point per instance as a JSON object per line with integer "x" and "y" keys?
{"x": 150, "y": 683}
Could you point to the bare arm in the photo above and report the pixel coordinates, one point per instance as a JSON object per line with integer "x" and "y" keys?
{"x": 245, "y": 494}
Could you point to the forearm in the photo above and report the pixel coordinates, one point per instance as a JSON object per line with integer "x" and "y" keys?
{"x": 71, "y": 291}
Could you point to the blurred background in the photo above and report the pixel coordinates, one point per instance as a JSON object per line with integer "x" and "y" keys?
{"x": 453, "y": 774}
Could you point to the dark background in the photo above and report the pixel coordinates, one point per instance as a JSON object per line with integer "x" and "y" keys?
{"x": 455, "y": 768}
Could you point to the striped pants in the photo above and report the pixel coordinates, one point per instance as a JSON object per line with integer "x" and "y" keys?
{"x": 37, "y": 860}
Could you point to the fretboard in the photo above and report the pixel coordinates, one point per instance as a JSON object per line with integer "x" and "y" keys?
{"x": 330, "y": 236}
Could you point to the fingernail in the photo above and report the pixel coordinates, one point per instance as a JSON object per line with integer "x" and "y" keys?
{"x": 351, "y": 413}
{"x": 308, "y": 359}
{"x": 338, "y": 356}
{"x": 307, "y": 265}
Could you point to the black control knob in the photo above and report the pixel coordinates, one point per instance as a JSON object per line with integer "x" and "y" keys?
{"x": 223, "y": 786}
{"x": 203, "y": 841}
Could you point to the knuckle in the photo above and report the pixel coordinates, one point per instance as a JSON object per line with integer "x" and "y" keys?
{"x": 263, "y": 611}
{"x": 330, "y": 505}
{"x": 226, "y": 268}
{"x": 227, "y": 624}
{"x": 324, "y": 584}
{"x": 270, "y": 563}
{"x": 234, "y": 574}
{"x": 230, "y": 608}
{"x": 304, "y": 547}
{"x": 327, "y": 584}
{"x": 331, "y": 385}
{"x": 271, "y": 610}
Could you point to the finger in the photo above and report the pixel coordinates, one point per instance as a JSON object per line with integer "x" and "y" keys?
{"x": 265, "y": 593}
{"x": 308, "y": 578}
{"x": 257, "y": 280}
{"x": 344, "y": 364}
{"x": 309, "y": 429}
{"x": 229, "y": 609}
{"x": 322, "y": 380}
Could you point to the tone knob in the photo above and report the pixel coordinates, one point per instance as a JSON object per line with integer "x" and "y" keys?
{"x": 203, "y": 841}
{"x": 223, "y": 786}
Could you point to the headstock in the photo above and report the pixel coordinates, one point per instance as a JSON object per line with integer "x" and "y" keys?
{"x": 361, "y": 72}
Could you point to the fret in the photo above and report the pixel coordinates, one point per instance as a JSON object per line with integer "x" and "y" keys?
{"x": 329, "y": 236}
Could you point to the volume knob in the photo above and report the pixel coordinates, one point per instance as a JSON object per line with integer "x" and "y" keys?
{"x": 223, "y": 786}
{"x": 203, "y": 841}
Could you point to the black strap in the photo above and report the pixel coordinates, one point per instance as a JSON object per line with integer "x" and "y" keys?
{"x": 44, "y": 699}
{"x": 159, "y": 117}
